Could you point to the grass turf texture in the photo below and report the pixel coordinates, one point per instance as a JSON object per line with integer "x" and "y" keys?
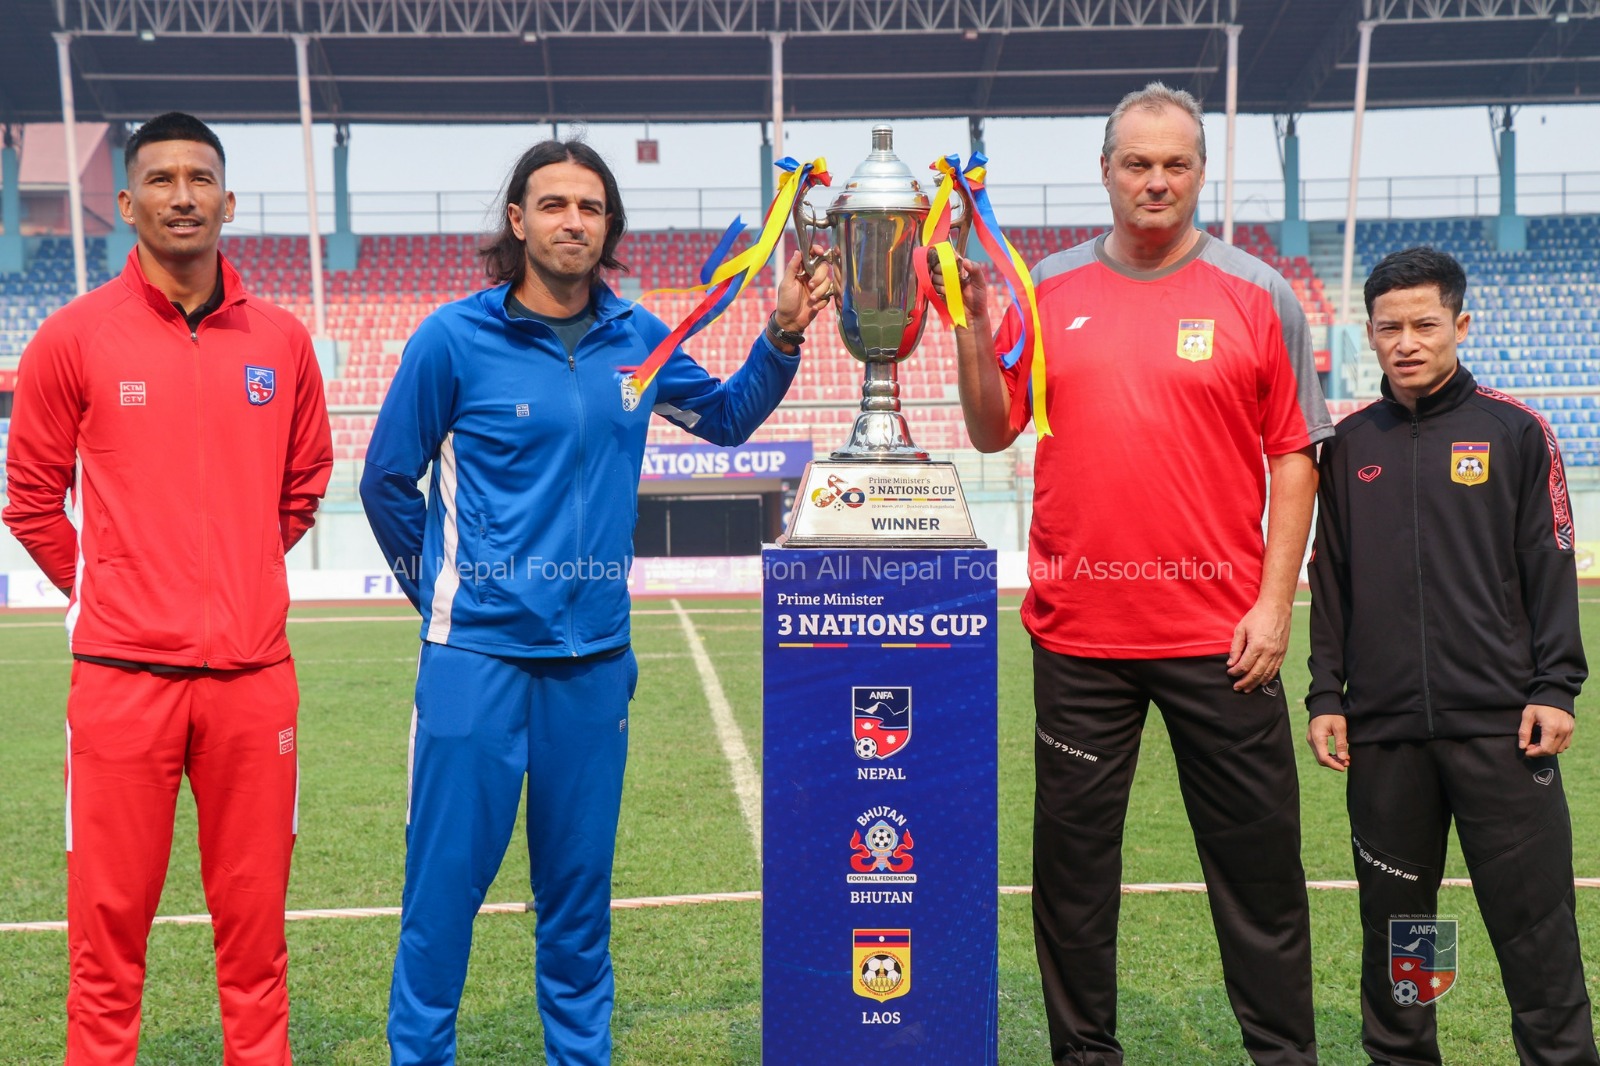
{"x": 688, "y": 977}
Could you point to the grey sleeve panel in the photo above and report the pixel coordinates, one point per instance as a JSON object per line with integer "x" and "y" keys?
{"x": 1063, "y": 262}
{"x": 1292, "y": 321}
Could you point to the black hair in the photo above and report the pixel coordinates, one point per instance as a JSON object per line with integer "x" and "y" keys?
{"x": 1415, "y": 267}
{"x": 505, "y": 258}
{"x": 172, "y": 126}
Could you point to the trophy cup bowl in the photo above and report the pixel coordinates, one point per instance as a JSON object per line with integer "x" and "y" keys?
{"x": 880, "y": 489}
{"x": 876, "y": 221}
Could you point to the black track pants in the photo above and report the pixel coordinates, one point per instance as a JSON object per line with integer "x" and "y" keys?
{"x": 1516, "y": 836}
{"x": 1237, "y": 773}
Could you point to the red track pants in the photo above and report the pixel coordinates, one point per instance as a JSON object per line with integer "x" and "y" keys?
{"x": 131, "y": 735}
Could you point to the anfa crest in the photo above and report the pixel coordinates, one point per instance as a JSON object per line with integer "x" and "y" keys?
{"x": 1422, "y": 959}
{"x": 1195, "y": 338}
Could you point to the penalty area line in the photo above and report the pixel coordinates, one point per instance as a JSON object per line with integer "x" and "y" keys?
{"x": 653, "y": 902}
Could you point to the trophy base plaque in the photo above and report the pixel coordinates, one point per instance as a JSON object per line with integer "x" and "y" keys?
{"x": 880, "y": 504}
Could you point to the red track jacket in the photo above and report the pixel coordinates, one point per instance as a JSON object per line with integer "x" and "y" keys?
{"x": 204, "y": 455}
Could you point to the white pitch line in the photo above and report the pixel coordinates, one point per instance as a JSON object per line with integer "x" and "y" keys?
{"x": 746, "y": 783}
{"x": 637, "y": 903}
{"x": 649, "y": 902}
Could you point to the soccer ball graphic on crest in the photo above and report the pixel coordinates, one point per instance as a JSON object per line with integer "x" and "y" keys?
{"x": 1405, "y": 993}
{"x": 881, "y": 973}
{"x": 882, "y": 837}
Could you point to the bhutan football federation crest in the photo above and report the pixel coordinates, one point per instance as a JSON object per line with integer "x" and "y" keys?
{"x": 1422, "y": 959}
{"x": 1195, "y": 338}
{"x": 882, "y": 719}
{"x": 882, "y": 967}
{"x": 881, "y": 848}
{"x": 1469, "y": 462}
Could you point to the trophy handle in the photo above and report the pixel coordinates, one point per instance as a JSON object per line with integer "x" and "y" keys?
{"x": 806, "y": 228}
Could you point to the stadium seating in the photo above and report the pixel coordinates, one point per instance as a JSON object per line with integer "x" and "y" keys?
{"x": 1536, "y": 315}
{"x": 1536, "y": 331}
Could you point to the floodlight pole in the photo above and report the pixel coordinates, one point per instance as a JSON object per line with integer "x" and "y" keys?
{"x": 319, "y": 308}
{"x": 776, "y": 39}
{"x": 1362, "y": 64}
{"x": 69, "y": 124}
{"x": 1233, "y": 116}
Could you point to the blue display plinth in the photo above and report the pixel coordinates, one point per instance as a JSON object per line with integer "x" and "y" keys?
{"x": 879, "y": 883}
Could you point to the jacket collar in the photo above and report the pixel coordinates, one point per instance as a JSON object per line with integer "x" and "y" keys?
{"x": 1450, "y": 396}
{"x": 134, "y": 278}
{"x": 607, "y": 304}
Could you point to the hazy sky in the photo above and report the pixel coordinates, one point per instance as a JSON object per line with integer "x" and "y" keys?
{"x": 1437, "y": 152}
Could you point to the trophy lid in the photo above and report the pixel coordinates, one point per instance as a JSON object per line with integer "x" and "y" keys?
{"x": 882, "y": 182}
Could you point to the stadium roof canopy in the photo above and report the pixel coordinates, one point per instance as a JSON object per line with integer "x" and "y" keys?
{"x": 712, "y": 60}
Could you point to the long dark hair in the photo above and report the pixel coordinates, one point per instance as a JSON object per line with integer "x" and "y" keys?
{"x": 505, "y": 258}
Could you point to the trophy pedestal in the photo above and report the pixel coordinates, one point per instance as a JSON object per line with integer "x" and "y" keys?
{"x": 861, "y": 503}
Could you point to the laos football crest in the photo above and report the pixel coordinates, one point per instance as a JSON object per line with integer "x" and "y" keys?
{"x": 882, "y": 720}
{"x": 1195, "y": 338}
{"x": 882, "y": 967}
{"x": 1422, "y": 959}
{"x": 260, "y": 384}
{"x": 1469, "y": 462}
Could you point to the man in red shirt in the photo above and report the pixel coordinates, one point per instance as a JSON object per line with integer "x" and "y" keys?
{"x": 187, "y": 420}
{"x": 1173, "y": 364}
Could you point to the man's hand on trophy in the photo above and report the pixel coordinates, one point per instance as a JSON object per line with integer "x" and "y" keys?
{"x": 802, "y": 296}
{"x": 974, "y": 286}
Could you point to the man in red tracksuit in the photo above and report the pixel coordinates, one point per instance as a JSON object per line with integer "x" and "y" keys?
{"x": 196, "y": 413}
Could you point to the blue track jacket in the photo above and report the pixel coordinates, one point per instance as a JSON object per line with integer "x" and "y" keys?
{"x": 523, "y": 544}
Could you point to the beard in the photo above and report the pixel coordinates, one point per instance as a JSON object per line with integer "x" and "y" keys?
{"x": 556, "y": 264}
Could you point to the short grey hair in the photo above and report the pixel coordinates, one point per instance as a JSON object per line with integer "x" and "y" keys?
{"x": 1155, "y": 97}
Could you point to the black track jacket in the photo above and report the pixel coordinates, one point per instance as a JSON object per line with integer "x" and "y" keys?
{"x": 1444, "y": 593}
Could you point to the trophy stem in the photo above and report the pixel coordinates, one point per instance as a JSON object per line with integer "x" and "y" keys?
{"x": 880, "y": 433}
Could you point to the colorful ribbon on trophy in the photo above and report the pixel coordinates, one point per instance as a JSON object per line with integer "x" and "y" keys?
{"x": 1013, "y": 271}
{"x": 722, "y": 279}
{"x": 936, "y": 235}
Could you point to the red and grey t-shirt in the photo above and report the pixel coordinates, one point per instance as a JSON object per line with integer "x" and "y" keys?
{"x": 1166, "y": 388}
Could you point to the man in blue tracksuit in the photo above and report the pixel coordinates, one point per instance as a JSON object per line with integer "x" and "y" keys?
{"x": 524, "y": 400}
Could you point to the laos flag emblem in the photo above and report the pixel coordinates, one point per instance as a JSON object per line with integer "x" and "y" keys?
{"x": 260, "y": 383}
{"x": 1422, "y": 959}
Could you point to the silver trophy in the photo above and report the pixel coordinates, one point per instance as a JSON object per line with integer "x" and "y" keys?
{"x": 879, "y": 489}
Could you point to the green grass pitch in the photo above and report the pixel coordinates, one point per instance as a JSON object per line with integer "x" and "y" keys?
{"x": 688, "y": 976}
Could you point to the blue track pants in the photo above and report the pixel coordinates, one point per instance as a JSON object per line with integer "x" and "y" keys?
{"x": 481, "y": 723}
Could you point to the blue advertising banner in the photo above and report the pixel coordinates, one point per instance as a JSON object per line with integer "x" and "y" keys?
{"x": 880, "y": 864}
{"x": 689, "y": 462}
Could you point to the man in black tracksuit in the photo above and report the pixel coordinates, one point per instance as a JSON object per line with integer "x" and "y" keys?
{"x": 1445, "y": 658}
